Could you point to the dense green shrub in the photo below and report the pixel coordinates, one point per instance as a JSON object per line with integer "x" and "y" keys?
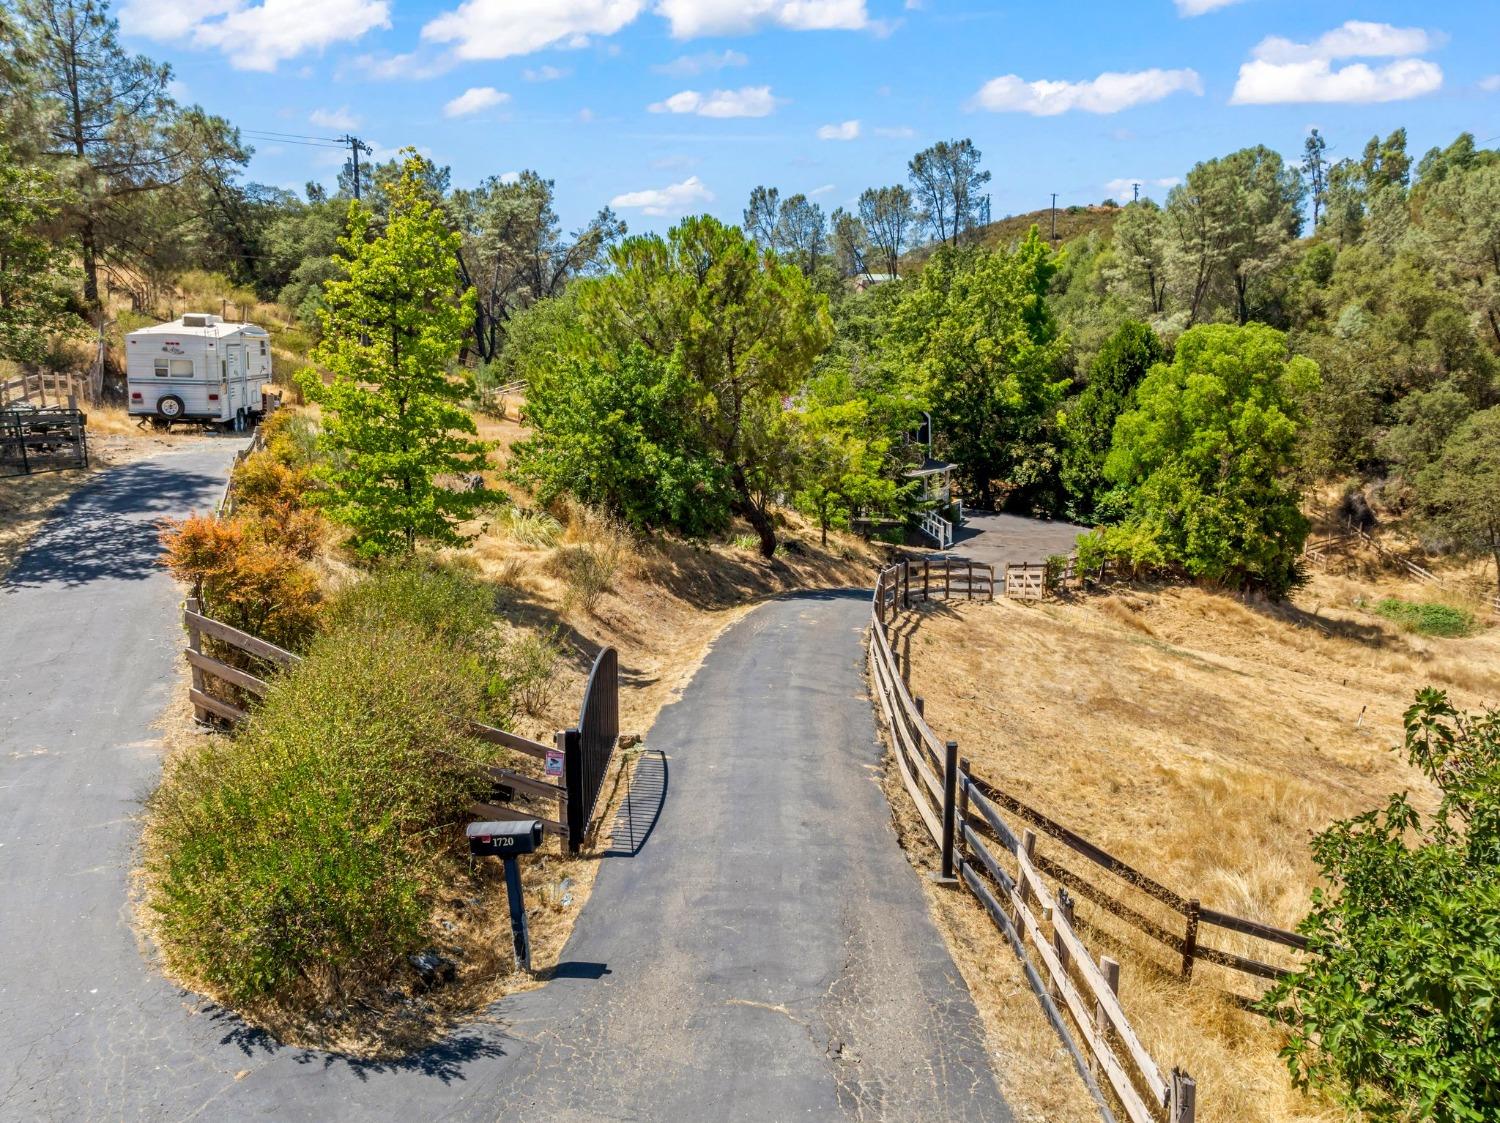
{"x": 1426, "y": 618}
{"x": 1204, "y": 463}
{"x": 299, "y": 860}
{"x": 1395, "y": 1011}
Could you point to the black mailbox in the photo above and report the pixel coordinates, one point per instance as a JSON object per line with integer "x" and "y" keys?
{"x": 504, "y": 840}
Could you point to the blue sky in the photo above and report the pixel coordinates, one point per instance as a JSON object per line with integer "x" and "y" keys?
{"x": 664, "y": 107}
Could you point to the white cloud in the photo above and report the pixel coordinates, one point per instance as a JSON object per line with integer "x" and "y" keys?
{"x": 687, "y": 66}
{"x": 339, "y": 118}
{"x": 1199, "y": 7}
{"x": 545, "y": 73}
{"x": 675, "y": 198}
{"x": 416, "y": 65}
{"x": 1268, "y": 83}
{"x": 1108, "y": 93}
{"x": 585, "y": 115}
{"x": 895, "y": 132}
{"x": 1491, "y": 84}
{"x": 493, "y": 29}
{"x": 1124, "y": 187}
{"x": 692, "y": 18}
{"x": 748, "y": 101}
{"x": 475, "y": 100}
{"x": 1355, "y": 39}
{"x": 824, "y": 190}
{"x": 1282, "y": 71}
{"x": 849, "y": 130}
{"x": 510, "y": 177}
{"x": 256, "y": 36}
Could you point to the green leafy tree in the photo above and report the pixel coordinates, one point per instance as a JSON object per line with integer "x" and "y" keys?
{"x": 844, "y": 463}
{"x": 1089, "y": 419}
{"x": 739, "y": 325}
{"x": 1459, "y": 490}
{"x": 890, "y": 216}
{"x": 1395, "y": 1009}
{"x": 104, "y": 114}
{"x": 1231, "y": 221}
{"x": 392, "y": 413}
{"x": 1205, "y": 461}
{"x": 946, "y": 181}
{"x": 36, "y": 277}
{"x": 1462, "y": 219}
{"x": 976, "y": 338}
{"x": 1141, "y": 257}
{"x": 1315, "y": 168}
{"x": 614, "y": 431}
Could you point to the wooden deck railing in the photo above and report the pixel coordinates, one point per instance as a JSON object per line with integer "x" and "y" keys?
{"x": 997, "y": 858}
{"x": 581, "y": 779}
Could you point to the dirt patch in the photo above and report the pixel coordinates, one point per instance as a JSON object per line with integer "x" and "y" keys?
{"x": 1203, "y": 739}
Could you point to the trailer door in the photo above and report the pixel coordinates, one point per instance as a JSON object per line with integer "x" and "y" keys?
{"x": 234, "y": 355}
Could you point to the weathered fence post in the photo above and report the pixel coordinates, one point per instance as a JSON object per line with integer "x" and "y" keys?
{"x": 1190, "y": 939}
{"x": 1028, "y": 844}
{"x": 1184, "y": 1104}
{"x": 1111, "y": 971}
{"x": 970, "y": 579}
{"x": 963, "y": 792}
{"x": 926, "y": 578}
{"x": 195, "y": 644}
{"x": 1064, "y": 914}
{"x": 950, "y": 805}
{"x": 947, "y": 579}
{"x": 921, "y": 704}
{"x": 905, "y": 585}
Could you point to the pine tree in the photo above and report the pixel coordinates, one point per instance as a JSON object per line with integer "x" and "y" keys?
{"x": 393, "y": 413}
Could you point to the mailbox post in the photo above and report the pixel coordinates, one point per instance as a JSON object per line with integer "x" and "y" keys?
{"x": 508, "y": 841}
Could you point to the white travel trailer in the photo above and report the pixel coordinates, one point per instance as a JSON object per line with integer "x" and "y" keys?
{"x": 198, "y": 368}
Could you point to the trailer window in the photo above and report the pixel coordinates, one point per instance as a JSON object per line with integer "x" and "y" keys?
{"x": 176, "y": 368}
{"x": 262, "y": 346}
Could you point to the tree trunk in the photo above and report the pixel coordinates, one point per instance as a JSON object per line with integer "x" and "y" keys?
{"x": 90, "y": 264}
{"x": 757, "y": 518}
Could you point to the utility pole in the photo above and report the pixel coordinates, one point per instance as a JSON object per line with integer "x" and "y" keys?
{"x": 1135, "y": 191}
{"x": 356, "y": 146}
{"x": 1054, "y": 218}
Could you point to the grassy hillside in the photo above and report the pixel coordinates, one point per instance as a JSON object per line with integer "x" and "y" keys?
{"x": 1203, "y": 739}
{"x": 1072, "y": 222}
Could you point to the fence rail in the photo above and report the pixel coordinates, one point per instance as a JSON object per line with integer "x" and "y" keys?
{"x": 966, "y": 818}
{"x": 63, "y": 388}
{"x": 582, "y": 772}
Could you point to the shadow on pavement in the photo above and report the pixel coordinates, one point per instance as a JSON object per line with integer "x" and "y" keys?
{"x": 107, "y": 529}
{"x": 445, "y": 1061}
{"x": 641, "y": 808}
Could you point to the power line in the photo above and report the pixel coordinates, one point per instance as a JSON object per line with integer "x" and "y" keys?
{"x": 298, "y": 136}
{"x": 286, "y": 140}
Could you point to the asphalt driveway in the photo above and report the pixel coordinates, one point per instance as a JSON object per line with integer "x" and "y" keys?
{"x": 763, "y": 953}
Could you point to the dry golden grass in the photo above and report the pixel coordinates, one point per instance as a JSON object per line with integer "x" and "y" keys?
{"x": 1203, "y": 739}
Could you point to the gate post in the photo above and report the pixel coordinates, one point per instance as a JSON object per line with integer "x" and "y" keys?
{"x": 571, "y": 744}
{"x": 950, "y": 805}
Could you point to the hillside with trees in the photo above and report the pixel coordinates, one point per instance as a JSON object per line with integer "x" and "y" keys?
{"x": 1197, "y": 381}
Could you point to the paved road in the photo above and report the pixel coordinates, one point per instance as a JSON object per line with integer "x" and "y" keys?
{"x": 765, "y": 954}
{"x": 1000, "y": 539}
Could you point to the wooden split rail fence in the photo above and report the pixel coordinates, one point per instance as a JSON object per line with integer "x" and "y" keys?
{"x": 64, "y": 389}
{"x": 981, "y": 849}
{"x": 1318, "y": 551}
{"x": 579, "y": 756}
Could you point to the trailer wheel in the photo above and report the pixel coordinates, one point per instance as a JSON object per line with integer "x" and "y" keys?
{"x": 170, "y": 407}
